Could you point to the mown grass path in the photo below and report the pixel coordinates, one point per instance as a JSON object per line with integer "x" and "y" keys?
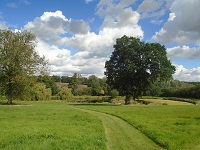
{"x": 121, "y": 135}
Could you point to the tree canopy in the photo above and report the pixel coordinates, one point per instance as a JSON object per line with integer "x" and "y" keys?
{"x": 18, "y": 62}
{"x": 134, "y": 65}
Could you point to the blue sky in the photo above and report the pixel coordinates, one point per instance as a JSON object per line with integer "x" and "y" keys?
{"x": 77, "y": 36}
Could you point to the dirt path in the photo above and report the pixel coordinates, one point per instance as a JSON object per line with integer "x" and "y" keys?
{"x": 122, "y": 136}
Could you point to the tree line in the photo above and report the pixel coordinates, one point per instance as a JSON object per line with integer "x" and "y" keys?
{"x": 47, "y": 87}
{"x": 135, "y": 68}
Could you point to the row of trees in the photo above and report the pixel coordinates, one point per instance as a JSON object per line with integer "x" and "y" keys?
{"x": 135, "y": 68}
{"x": 84, "y": 86}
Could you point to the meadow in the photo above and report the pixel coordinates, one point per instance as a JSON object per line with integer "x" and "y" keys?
{"x": 49, "y": 126}
{"x": 171, "y": 127}
{"x": 58, "y": 125}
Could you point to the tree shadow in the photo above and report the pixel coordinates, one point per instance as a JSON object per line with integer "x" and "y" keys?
{"x": 88, "y": 104}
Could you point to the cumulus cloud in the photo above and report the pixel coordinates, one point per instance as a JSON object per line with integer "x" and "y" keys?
{"x": 63, "y": 63}
{"x": 185, "y": 74}
{"x": 51, "y": 25}
{"x": 117, "y": 15}
{"x": 183, "y": 24}
{"x": 71, "y": 47}
{"x": 151, "y": 8}
{"x": 154, "y": 8}
{"x": 78, "y": 27}
{"x": 184, "y": 52}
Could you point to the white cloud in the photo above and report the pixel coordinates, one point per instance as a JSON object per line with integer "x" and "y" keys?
{"x": 154, "y": 8}
{"x": 149, "y": 8}
{"x": 156, "y": 21}
{"x": 184, "y": 74}
{"x": 184, "y": 28}
{"x": 63, "y": 63}
{"x": 171, "y": 16}
{"x": 117, "y": 15}
{"x": 51, "y": 25}
{"x": 12, "y": 5}
{"x": 88, "y": 1}
{"x": 3, "y": 25}
{"x": 59, "y": 37}
{"x": 78, "y": 27}
{"x": 184, "y": 52}
{"x": 27, "y": 2}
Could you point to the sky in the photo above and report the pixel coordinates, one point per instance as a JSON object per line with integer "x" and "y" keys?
{"x": 77, "y": 36}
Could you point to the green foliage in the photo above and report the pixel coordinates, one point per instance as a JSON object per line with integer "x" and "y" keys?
{"x": 56, "y": 78}
{"x": 40, "y": 92}
{"x": 84, "y": 91}
{"x": 134, "y": 65}
{"x": 18, "y": 62}
{"x": 64, "y": 94}
{"x": 91, "y": 99}
{"x": 74, "y": 83}
{"x": 49, "y": 82}
{"x": 114, "y": 93}
{"x": 94, "y": 83}
{"x": 189, "y": 92}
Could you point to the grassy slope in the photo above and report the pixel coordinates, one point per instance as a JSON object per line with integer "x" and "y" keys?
{"x": 173, "y": 127}
{"x": 49, "y": 125}
{"x": 121, "y": 135}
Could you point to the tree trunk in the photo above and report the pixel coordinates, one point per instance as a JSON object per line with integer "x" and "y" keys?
{"x": 9, "y": 102}
{"x": 127, "y": 100}
{"x": 9, "y": 94}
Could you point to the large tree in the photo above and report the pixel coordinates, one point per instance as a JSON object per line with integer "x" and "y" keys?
{"x": 133, "y": 65}
{"x": 18, "y": 62}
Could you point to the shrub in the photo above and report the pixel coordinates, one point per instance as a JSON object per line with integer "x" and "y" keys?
{"x": 40, "y": 92}
{"x": 64, "y": 93}
{"x": 114, "y": 93}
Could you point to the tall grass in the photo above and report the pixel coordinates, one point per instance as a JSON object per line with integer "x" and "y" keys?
{"x": 49, "y": 126}
{"x": 172, "y": 127}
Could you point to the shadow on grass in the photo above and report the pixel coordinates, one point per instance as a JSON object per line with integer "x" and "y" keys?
{"x": 88, "y": 104}
{"x": 5, "y": 103}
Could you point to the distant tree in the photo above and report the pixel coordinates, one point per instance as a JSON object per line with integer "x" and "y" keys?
{"x": 65, "y": 79}
{"x": 134, "y": 65}
{"x": 64, "y": 93}
{"x": 93, "y": 82}
{"x": 104, "y": 86}
{"x": 49, "y": 82}
{"x": 40, "y": 92}
{"x": 56, "y": 78}
{"x": 154, "y": 89}
{"x": 74, "y": 82}
{"x": 18, "y": 62}
{"x": 114, "y": 93}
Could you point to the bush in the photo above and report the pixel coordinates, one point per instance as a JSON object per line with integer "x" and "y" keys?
{"x": 39, "y": 92}
{"x": 114, "y": 93}
{"x": 64, "y": 94}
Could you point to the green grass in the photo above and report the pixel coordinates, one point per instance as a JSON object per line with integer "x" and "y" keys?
{"x": 49, "y": 126}
{"x": 57, "y": 125}
{"x": 121, "y": 135}
{"x": 172, "y": 127}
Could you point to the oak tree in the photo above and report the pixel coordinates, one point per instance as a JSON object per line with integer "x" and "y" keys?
{"x": 134, "y": 65}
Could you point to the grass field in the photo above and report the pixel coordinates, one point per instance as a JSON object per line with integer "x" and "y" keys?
{"x": 171, "y": 127}
{"x": 57, "y": 125}
{"x": 49, "y": 126}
